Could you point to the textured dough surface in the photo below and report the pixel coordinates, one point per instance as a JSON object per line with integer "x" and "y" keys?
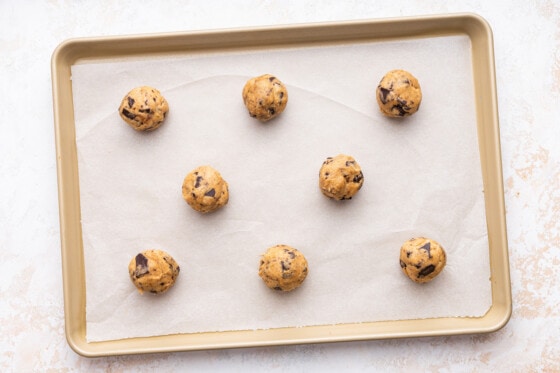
{"x": 265, "y": 97}
{"x": 205, "y": 190}
{"x": 340, "y": 177}
{"x": 422, "y": 259}
{"x": 283, "y": 268}
{"x": 144, "y": 108}
{"x": 399, "y": 94}
{"x": 154, "y": 271}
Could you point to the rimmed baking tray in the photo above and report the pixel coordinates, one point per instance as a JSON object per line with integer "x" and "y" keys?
{"x": 72, "y": 51}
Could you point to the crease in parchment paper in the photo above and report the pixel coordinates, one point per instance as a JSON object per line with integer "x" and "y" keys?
{"x": 422, "y": 177}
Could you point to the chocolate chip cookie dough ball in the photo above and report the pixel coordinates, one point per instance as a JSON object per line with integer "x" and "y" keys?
{"x": 205, "y": 190}
{"x": 265, "y": 97}
{"x": 144, "y": 108}
{"x": 422, "y": 259}
{"x": 283, "y": 268}
{"x": 154, "y": 271}
{"x": 399, "y": 94}
{"x": 340, "y": 177}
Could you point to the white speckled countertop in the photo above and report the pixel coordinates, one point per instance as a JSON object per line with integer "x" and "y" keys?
{"x": 527, "y": 52}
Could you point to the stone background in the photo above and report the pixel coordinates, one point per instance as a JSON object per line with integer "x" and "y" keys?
{"x": 527, "y": 51}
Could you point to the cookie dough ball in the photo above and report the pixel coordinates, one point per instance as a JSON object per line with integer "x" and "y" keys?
{"x": 340, "y": 177}
{"x": 265, "y": 97}
{"x": 399, "y": 94}
{"x": 205, "y": 190}
{"x": 154, "y": 271}
{"x": 422, "y": 259}
{"x": 144, "y": 108}
{"x": 283, "y": 268}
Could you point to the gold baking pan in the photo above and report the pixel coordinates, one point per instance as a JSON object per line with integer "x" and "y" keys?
{"x": 73, "y": 51}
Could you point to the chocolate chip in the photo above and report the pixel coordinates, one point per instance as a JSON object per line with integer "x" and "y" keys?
{"x": 146, "y": 102}
{"x": 403, "y": 103}
{"x": 408, "y": 254}
{"x": 426, "y": 271}
{"x": 271, "y": 111}
{"x": 141, "y": 265}
{"x": 153, "y": 292}
{"x": 271, "y": 78}
{"x": 406, "y": 81}
{"x": 141, "y": 260}
{"x": 403, "y": 264}
{"x": 292, "y": 254}
{"x": 400, "y": 109}
{"x": 427, "y": 247}
{"x": 285, "y": 266}
{"x": 384, "y": 92}
{"x": 281, "y": 95}
{"x": 277, "y": 288}
{"x": 348, "y": 163}
{"x": 328, "y": 160}
{"x": 358, "y": 178}
{"x": 198, "y": 180}
{"x": 145, "y": 110}
{"x": 130, "y": 101}
{"x": 128, "y": 114}
{"x": 210, "y": 193}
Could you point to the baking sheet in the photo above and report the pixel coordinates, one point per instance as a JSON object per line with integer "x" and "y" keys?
{"x": 422, "y": 177}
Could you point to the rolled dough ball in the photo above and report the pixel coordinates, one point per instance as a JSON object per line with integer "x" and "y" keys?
{"x": 422, "y": 259}
{"x": 399, "y": 94}
{"x": 144, "y": 108}
{"x": 340, "y": 177}
{"x": 154, "y": 271}
{"x": 283, "y": 268}
{"x": 265, "y": 97}
{"x": 205, "y": 190}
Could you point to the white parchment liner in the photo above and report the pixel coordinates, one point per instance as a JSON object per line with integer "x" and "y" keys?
{"x": 422, "y": 178}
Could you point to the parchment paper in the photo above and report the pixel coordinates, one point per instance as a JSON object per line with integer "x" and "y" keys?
{"x": 422, "y": 178}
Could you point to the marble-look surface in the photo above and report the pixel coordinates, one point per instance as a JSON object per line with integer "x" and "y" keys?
{"x": 527, "y": 49}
